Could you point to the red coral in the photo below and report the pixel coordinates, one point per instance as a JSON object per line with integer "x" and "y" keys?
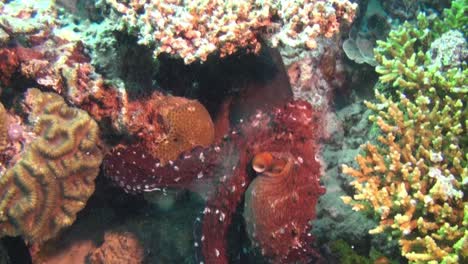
{"x": 63, "y": 67}
{"x": 9, "y": 63}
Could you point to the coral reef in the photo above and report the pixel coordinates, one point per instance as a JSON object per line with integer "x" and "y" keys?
{"x": 372, "y": 23}
{"x": 346, "y": 254}
{"x": 14, "y": 136}
{"x": 254, "y": 165}
{"x": 415, "y": 179}
{"x": 359, "y": 50}
{"x": 3, "y": 127}
{"x": 194, "y": 30}
{"x": 315, "y": 75}
{"x": 119, "y": 248}
{"x": 449, "y": 50}
{"x": 53, "y": 57}
{"x": 336, "y": 220}
{"x": 54, "y": 177}
{"x": 31, "y": 20}
{"x": 408, "y": 9}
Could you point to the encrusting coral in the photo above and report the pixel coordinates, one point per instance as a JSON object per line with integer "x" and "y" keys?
{"x": 415, "y": 180}
{"x": 118, "y": 248}
{"x": 169, "y": 125}
{"x": 54, "y": 177}
{"x": 53, "y": 57}
{"x": 193, "y": 30}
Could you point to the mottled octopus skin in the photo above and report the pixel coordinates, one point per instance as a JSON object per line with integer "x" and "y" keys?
{"x": 279, "y": 203}
{"x": 289, "y": 131}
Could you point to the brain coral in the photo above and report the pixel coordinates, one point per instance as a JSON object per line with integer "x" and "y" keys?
{"x": 54, "y": 178}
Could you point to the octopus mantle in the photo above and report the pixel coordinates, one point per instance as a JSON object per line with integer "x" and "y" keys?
{"x": 281, "y": 186}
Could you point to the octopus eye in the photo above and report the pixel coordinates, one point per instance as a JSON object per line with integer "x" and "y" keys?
{"x": 262, "y": 161}
{"x": 259, "y": 167}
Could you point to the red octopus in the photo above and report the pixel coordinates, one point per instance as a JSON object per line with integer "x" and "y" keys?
{"x": 269, "y": 158}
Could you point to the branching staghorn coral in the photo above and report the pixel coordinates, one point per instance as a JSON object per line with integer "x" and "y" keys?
{"x": 195, "y": 29}
{"x": 407, "y": 60}
{"x": 416, "y": 178}
{"x": 54, "y": 178}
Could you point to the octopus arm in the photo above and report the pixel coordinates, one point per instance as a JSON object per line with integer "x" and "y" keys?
{"x": 220, "y": 209}
{"x": 135, "y": 170}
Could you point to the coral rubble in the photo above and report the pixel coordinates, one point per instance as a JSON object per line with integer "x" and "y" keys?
{"x": 415, "y": 179}
{"x": 54, "y": 177}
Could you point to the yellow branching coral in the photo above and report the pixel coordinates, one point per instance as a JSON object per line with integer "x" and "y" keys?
{"x": 54, "y": 178}
{"x": 415, "y": 180}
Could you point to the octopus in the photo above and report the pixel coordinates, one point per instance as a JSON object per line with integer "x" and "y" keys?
{"x": 269, "y": 160}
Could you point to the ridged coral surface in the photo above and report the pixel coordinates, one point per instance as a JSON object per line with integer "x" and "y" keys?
{"x": 415, "y": 179}
{"x": 193, "y": 30}
{"x": 54, "y": 178}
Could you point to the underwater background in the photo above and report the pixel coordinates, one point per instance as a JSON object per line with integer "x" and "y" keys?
{"x": 205, "y": 131}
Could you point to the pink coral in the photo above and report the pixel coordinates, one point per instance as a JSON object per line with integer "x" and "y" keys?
{"x": 195, "y": 29}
